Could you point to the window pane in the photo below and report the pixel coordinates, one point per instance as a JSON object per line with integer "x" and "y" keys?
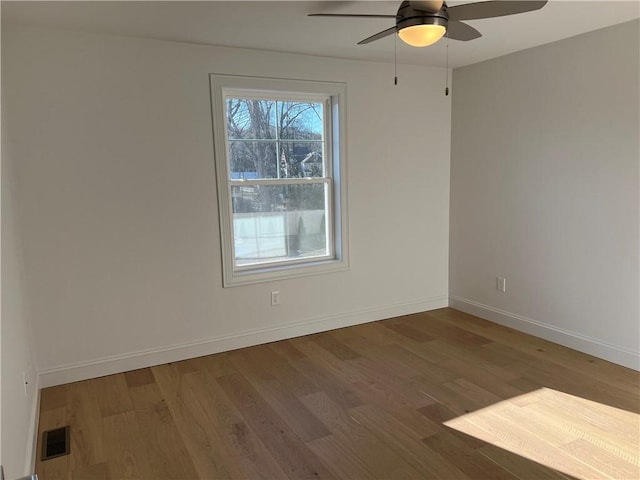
{"x": 249, "y": 159}
{"x": 301, "y": 159}
{"x": 300, "y": 120}
{"x": 250, "y": 119}
{"x": 272, "y": 223}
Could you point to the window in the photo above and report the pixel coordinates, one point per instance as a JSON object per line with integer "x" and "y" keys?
{"x": 280, "y": 166}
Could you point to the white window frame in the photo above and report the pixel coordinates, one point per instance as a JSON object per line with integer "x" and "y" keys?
{"x": 336, "y": 171}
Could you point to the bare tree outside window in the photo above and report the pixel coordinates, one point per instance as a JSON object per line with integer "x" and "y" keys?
{"x": 270, "y": 143}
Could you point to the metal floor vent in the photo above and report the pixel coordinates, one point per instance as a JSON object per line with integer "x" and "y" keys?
{"x": 56, "y": 443}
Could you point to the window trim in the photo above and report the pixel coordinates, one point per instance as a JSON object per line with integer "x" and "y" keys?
{"x": 337, "y": 210}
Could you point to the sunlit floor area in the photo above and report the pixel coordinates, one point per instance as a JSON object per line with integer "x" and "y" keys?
{"x": 437, "y": 395}
{"x": 582, "y": 438}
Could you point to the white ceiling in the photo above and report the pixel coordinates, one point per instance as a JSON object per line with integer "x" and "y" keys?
{"x": 284, "y": 26}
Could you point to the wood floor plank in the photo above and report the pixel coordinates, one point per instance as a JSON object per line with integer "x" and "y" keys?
{"x": 481, "y": 371}
{"x": 218, "y": 365}
{"x": 332, "y": 452}
{"x": 600, "y": 369}
{"x": 136, "y": 378}
{"x": 540, "y": 370}
{"x": 438, "y": 351}
{"x": 435, "y": 327}
{"x": 386, "y": 391}
{"x": 339, "y": 390}
{"x": 293, "y": 455}
{"x": 469, "y": 354}
{"x": 511, "y": 436}
{"x": 410, "y": 332}
{"x": 601, "y": 459}
{"x": 356, "y": 440}
{"x": 602, "y": 392}
{"x": 112, "y": 394}
{"x": 439, "y": 414}
{"x": 286, "y": 404}
{"x": 286, "y": 350}
{"x": 125, "y": 447}
{"x": 525, "y": 384}
{"x": 164, "y": 447}
{"x": 476, "y": 397}
{"x": 439, "y": 393}
{"x": 375, "y": 333}
{"x": 468, "y": 460}
{"x": 405, "y": 442}
{"x": 331, "y": 344}
{"x": 521, "y": 467}
{"x": 549, "y": 374}
{"x": 277, "y": 365}
{"x": 407, "y": 364}
{"x": 53, "y": 398}
{"x": 210, "y": 455}
{"x": 402, "y": 390}
{"x": 435, "y": 395}
{"x": 84, "y": 417}
{"x": 242, "y": 443}
{"x": 534, "y": 423}
{"x": 592, "y": 421}
{"x": 98, "y": 471}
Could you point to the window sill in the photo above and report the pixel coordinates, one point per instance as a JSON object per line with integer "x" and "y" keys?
{"x": 272, "y": 273}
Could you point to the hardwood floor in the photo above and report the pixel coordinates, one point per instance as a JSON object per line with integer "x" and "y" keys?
{"x": 436, "y": 395}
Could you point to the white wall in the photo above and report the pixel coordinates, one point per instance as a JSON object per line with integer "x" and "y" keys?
{"x": 115, "y": 180}
{"x": 545, "y": 191}
{"x": 18, "y": 410}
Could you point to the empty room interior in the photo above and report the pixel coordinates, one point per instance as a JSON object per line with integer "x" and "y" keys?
{"x": 364, "y": 239}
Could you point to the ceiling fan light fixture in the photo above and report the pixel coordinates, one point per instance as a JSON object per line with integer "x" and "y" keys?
{"x": 422, "y": 30}
{"x": 422, "y": 35}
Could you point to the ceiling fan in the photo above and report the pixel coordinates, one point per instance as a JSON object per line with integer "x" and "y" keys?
{"x": 423, "y": 23}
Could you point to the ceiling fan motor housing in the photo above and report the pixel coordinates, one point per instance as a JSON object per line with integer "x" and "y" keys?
{"x": 407, "y": 16}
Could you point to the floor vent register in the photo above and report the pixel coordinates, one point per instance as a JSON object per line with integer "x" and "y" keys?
{"x": 56, "y": 443}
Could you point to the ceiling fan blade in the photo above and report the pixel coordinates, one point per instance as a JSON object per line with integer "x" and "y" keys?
{"x": 363, "y": 15}
{"x": 379, "y": 35}
{"x": 429, "y": 6}
{"x": 496, "y": 8}
{"x": 461, "y": 31}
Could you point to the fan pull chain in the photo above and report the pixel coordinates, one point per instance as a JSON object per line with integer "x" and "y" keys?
{"x": 446, "y": 89}
{"x": 395, "y": 59}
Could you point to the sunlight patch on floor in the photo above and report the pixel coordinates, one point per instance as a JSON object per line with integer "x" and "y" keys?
{"x": 578, "y": 437}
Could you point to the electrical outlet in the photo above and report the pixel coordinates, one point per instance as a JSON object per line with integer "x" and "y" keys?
{"x": 275, "y": 298}
{"x": 501, "y": 284}
{"x": 25, "y": 384}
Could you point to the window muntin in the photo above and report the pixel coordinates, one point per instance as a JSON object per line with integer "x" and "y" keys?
{"x": 280, "y": 190}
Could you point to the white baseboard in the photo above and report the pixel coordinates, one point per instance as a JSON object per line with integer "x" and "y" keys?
{"x": 582, "y": 343}
{"x": 32, "y": 442}
{"x": 173, "y": 353}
